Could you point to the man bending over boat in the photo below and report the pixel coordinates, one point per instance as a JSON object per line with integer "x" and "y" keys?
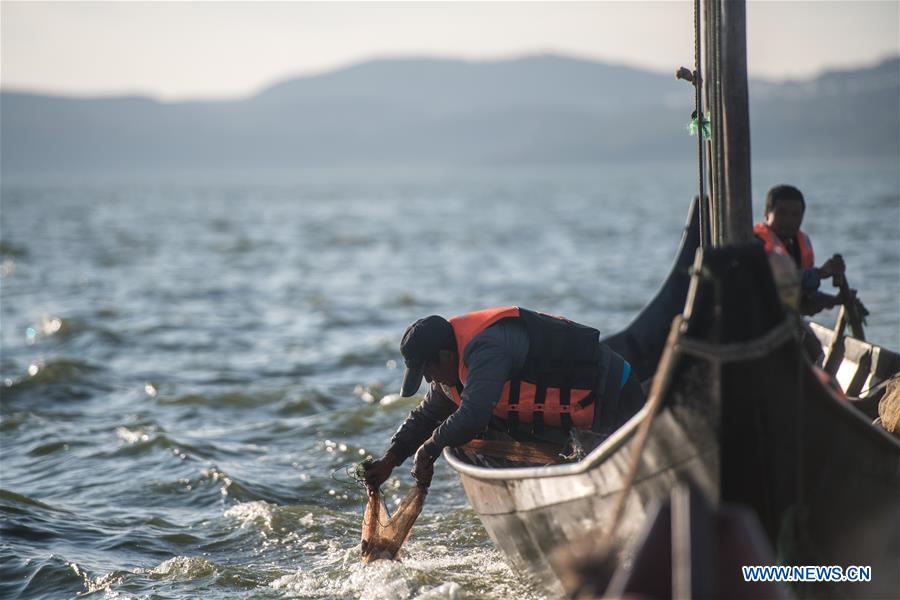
{"x": 526, "y": 369}
{"x": 780, "y": 233}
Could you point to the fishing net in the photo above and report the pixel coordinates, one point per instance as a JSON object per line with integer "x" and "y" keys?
{"x": 889, "y": 407}
{"x": 525, "y": 453}
{"x": 382, "y": 533}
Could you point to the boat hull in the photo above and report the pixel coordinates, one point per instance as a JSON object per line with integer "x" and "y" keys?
{"x": 530, "y": 515}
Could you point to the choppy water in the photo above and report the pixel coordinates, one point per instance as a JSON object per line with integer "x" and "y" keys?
{"x": 185, "y": 361}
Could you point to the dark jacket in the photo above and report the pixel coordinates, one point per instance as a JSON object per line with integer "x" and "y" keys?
{"x": 491, "y": 357}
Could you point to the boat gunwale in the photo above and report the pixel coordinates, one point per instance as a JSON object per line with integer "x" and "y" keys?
{"x": 861, "y": 345}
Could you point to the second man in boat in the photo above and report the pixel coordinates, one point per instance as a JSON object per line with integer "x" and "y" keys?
{"x": 525, "y": 371}
{"x": 780, "y": 233}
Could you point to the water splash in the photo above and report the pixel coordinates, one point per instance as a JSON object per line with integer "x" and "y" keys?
{"x": 184, "y": 567}
{"x": 253, "y": 514}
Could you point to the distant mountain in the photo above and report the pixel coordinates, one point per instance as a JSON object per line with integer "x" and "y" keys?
{"x": 538, "y": 109}
{"x": 840, "y": 113}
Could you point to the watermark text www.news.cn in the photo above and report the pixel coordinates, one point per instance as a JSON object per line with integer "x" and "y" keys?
{"x": 807, "y": 573}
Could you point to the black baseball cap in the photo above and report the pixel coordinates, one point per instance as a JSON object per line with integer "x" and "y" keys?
{"x": 421, "y": 343}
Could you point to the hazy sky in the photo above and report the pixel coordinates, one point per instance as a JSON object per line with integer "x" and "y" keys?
{"x": 211, "y": 49}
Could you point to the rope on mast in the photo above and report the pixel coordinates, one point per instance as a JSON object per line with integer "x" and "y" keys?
{"x": 698, "y": 108}
{"x": 713, "y": 15}
{"x": 699, "y": 126}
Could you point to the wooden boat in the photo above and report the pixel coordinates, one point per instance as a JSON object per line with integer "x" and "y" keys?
{"x": 744, "y": 417}
{"x": 737, "y": 409}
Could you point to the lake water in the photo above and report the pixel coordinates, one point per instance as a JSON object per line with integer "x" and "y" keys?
{"x": 190, "y": 362}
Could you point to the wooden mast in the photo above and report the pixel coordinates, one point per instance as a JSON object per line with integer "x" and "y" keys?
{"x": 726, "y": 35}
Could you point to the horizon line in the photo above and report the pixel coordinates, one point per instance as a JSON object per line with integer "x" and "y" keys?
{"x": 388, "y": 57}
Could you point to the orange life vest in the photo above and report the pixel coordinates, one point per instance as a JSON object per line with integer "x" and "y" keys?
{"x": 774, "y": 244}
{"x": 558, "y": 384}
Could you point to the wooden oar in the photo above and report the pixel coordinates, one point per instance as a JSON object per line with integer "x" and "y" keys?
{"x": 852, "y": 306}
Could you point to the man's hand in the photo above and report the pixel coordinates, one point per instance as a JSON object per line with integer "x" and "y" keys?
{"x": 379, "y": 471}
{"x": 847, "y": 298}
{"x": 815, "y": 302}
{"x": 832, "y": 301}
{"x": 833, "y": 267}
{"x": 423, "y": 467}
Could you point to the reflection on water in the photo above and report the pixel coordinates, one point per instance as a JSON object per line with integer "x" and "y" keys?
{"x": 189, "y": 365}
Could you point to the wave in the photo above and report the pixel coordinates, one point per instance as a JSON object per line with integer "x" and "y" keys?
{"x": 352, "y": 420}
{"x": 11, "y": 502}
{"x": 311, "y": 401}
{"x": 50, "y": 577}
{"x": 340, "y": 574}
{"x": 229, "y": 486}
{"x": 151, "y": 438}
{"x": 426, "y": 572}
{"x": 298, "y": 406}
{"x": 227, "y": 400}
{"x": 69, "y": 328}
{"x": 12, "y": 250}
{"x": 212, "y": 483}
{"x": 104, "y": 583}
{"x": 181, "y": 539}
{"x": 151, "y": 535}
{"x": 300, "y": 522}
{"x": 40, "y": 527}
{"x": 285, "y": 401}
{"x": 56, "y": 379}
{"x": 48, "y": 448}
{"x": 376, "y": 355}
{"x": 56, "y": 577}
{"x": 258, "y": 514}
{"x": 184, "y": 567}
{"x": 196, "y": 569}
